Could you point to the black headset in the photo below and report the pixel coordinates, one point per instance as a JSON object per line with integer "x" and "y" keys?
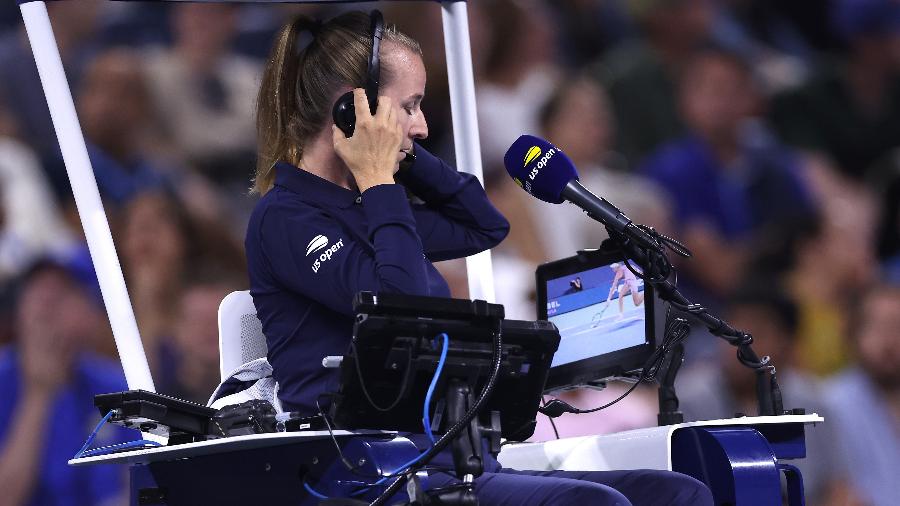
{"x": 343, "y": 112}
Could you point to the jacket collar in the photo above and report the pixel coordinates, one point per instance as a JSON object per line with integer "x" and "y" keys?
{"x": 312, "y": 188}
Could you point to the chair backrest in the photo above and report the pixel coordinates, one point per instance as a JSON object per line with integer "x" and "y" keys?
{"x": 241, "y": 337}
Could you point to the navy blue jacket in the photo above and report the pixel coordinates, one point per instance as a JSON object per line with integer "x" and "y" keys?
{"x": 312, "y": 245}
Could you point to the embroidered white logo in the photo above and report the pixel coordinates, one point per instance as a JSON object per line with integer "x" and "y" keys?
{"x": 318, "y": 242}
{"x": 327, "y": 254}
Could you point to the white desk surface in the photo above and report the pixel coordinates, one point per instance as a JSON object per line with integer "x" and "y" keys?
{"x": 213, "y": 446}
{"x": 648, "y": 448}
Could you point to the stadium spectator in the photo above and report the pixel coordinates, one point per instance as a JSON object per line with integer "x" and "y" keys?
{"x": 839, "y": 240}
{"x": 728, "y": 179}
{"x": 125, "y": 143}
{"x": 850, "y": 111}
{"x": 115, "y": 113}
{"x": 205, "y": 93}
{"x": 519, "y": 72}
{"x": 513, "y": 261}
{"x": 154, "y": 246}
{"x": 641, "y": 73}
{"x": 191, "y": 368}
{"x": 162, "y": 244}
{"x": 31, "y": 224}
{"x": 763, "y": 35}
{"x": 74, "y": 28}
{"x": 588, "y": 29}
{"x": 47, "y": 380}
{"x": 888, "y": 235}
{"x": 864, "y": 400}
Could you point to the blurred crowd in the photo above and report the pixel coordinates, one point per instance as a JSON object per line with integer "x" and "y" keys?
{"x": 762, "y": 134}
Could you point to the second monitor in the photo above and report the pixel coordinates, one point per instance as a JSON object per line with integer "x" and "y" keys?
{"x": 605, "y": 315}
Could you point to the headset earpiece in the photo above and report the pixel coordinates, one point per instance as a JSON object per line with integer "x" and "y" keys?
{"x": 344, "y": 115}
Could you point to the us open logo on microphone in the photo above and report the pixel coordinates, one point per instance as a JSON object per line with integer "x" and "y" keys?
{"x": 532, "y": 154}
{"x": 319, "y": 242}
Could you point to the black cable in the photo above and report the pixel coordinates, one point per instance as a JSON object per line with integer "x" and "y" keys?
{"x": 677, "y": 246}
{"x": 552, "y": 423}
{"x": 648, "y": 279}
{"x": 458, "y": 427}
{"x": 677, "y": 330}
{"x": 556, "y": 407}
{"x": 403, "y": 385}
{"x": 349, "y": 465}
{"x": 526, "y": 424}
{"x": 435, "y": 492}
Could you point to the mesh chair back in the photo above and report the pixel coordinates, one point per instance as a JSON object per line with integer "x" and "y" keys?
{"x": 241, "y": 337}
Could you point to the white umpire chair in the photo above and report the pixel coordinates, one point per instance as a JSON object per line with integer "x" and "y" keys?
{"x": 242, "y": 354}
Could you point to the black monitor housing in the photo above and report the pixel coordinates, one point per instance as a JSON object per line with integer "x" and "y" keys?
{"x": 592, "y": 362}
{"x": 395, "y": 336}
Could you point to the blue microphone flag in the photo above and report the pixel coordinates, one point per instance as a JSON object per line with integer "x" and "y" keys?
{"x": 539, "y": 167}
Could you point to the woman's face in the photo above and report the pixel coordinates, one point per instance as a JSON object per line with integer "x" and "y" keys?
{"x": 406, "y": 90}
{"x": 152, "y": 235}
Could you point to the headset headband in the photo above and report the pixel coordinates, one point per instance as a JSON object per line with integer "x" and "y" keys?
{"x": 373, "y": 74}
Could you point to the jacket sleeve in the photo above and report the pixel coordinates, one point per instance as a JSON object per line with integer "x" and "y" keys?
{"x": 313, "y": 254}
{"x": 456, "y": 219}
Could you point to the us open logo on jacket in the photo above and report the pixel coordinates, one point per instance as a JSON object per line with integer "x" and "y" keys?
{"x": 320, "y": 242}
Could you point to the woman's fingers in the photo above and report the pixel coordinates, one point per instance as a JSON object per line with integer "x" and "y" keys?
{"x": 391, "y": 113}
{"x": 338, "y": 138}
{"x": 384, "y": 108}
{"x": 361, "y": 105}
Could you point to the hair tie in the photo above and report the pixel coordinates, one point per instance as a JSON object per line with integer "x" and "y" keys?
{"x": 314, "y": 26}
{"x": 307, "y": 31}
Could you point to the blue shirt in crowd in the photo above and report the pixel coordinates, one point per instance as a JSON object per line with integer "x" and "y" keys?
{"x": 72, "y": 418}
{"x": 763, "y": 187}
{"x": 312, "y": 245}
{"x": 868, "y": 439}
{"x": 120, "y": 182}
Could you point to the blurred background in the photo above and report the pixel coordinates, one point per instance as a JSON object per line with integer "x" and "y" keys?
{"x": 763, "y": 134}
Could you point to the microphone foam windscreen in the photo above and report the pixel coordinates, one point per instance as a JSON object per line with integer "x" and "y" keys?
{"x": 539, "y": 167}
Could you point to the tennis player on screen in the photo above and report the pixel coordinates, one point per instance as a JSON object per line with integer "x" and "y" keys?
{"x": 629, "y": 284}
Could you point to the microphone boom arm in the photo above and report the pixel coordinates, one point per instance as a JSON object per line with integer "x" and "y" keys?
{"x": 658, "y": 271}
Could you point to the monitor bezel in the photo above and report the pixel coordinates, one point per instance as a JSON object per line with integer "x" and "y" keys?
{"x": 620, "y": 364}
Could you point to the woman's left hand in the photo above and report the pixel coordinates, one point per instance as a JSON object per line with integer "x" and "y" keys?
{"x": 371, "y": 153}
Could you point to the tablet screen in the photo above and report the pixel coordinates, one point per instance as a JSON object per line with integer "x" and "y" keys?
{"x": 597, "y": 311}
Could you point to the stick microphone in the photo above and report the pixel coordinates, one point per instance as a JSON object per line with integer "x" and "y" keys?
{"x": 545, "y": 172}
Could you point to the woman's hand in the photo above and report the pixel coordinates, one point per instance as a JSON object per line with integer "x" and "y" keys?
{"x": 371, "y": 153}
{"x": 47, "y": 355}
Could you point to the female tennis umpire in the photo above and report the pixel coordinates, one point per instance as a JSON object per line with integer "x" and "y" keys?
{"x": 335, "y": 219}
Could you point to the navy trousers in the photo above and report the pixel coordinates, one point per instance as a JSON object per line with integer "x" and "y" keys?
{"x": 508, "y": 487}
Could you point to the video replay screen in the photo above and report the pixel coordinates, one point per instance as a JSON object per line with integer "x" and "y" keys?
{"x": 597, "y": 311}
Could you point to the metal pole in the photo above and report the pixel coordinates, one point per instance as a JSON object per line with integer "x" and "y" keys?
{"x": 87, "y": 196}
{"x": 465, "y": 127}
